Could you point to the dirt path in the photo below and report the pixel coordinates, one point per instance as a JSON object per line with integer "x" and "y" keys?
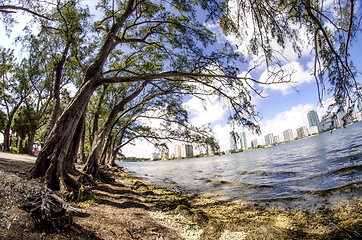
{"x": 116, "y": 211}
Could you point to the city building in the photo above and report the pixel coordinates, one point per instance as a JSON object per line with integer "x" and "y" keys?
{"x": 269, "y": 139}
{"x": 178, "y": 151}
{"x": 357, "y": 110}
{"x": 232, "y": 139}
{"x": 327, "y": 123}
{"x": 155, "y": 156}
{"x": 187, "y": 150}
{"x": 333, "y": 120}
{"x": 302, "y": 132}
{"x": 288, "y": 135}
{"x": 210, "y": 150}
{"x": 276, "y": 139}
{"x": 313, "y": 130}
{"x": 184, "y": 150}
{"x": 243, "y": 142}
{"x": 254, "y": 143}
{"x": 313, "y": 120}
{"x": 164, "y": 156}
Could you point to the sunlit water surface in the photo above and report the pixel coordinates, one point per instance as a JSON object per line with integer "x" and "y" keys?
{"x": 312, "y": 170}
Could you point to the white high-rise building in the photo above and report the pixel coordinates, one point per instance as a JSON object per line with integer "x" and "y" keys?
{"x": 269, "y": 139}
{"x": 254, "y": 143}
{"x": 313, "y": 130}
{"x": 184, "y": 150}
{"x": 233, "y": 142}
{"x": 357, "y": 110}
{"x": 313, "y": 120}
{"x": 243, "y": 142}
{"x": 302, "y": 132}
{"x": 187, "y": 150}
{"x": 276, "y": 139}
{"x": 178, "y": 151}
{"x": 288, "y": 135}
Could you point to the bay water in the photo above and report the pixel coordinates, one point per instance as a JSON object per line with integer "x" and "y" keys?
{"x": 321, "y": 169}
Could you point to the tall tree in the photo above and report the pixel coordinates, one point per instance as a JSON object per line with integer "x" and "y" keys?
{"x": 92, "y": 161}
{"x": 158, "y": 42}
{"x": 12, "y": 87}
{"x": 162, "y": 105}
{"x": 25, "y": 123}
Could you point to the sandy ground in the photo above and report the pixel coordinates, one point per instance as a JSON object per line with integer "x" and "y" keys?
{"x": 131, "y": 208}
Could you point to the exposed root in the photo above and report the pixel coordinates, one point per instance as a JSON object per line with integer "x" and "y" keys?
{"x": 51, "y": 212}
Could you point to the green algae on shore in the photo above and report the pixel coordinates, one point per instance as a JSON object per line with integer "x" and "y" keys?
{"x": 248, "y": 220}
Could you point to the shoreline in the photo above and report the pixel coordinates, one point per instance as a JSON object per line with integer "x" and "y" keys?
{"x": 133, "y": 208}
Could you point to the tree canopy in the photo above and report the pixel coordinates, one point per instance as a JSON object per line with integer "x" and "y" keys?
{"x": 167, "y": 49}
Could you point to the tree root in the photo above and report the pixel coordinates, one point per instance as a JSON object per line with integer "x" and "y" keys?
{"x": 51, "y": 212}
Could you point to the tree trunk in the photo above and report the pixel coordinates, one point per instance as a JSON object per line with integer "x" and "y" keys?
{"x": 106, "y": 150}
{"x": 74, "y": 147}
{"x": 8, "y": 126}
{"x": 31, "y": 137}
{"x": 82, "y": 158}
{"x": 92, "y": 165}
{"x": 56, "y": 90}
{"x": 97, "y": 113}
{"x": 54, "y": 158}
{"x": 111, "y": 160}
{"x": 51, "y": 162}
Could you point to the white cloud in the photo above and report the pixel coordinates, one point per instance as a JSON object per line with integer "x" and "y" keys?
{"x": 298, "y": 77}
{"x": 211, "y": 111}
{"x": 222, "y": 135}
{"x": 140, "y": 149}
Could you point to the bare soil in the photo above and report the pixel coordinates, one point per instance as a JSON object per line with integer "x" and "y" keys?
{"x": 131, "y": 208}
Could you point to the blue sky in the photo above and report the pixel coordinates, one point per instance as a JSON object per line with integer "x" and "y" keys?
{"x": 283, "y": 108}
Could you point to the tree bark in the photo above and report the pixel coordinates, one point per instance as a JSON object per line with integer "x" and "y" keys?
{"x": 31, "y": 137}
{"x": 74, "y": 147}
{"x": 92, "y": 165}
{"x": 56, "y": 89}
{"x": 106, "y": 151}
{"x": 97, "y": 113}
{"x": 54, "y": 158}
{"x": 82, "y": 143}
{"x": 8, "y": 126}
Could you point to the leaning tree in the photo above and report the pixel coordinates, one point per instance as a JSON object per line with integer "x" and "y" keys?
{"x": 178, "y": 46}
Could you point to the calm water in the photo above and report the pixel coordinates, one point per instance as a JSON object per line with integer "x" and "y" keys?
{"x": 327, "y": 164}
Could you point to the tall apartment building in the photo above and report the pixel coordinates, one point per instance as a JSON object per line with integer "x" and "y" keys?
{"x": 313, "y": 120}
{"x": 155, "y": 155}
{"x": 276, "y": 139}
{"x": 269, "y": 139}
{"x": 184, "y": 150}
{"x": 357, "y": 110}
{"x": 243, "y": 142}
{"x": 288, "y": 135}
{"x": 177, "y": 151}
{"x": 313, "y": 130}
{"x": 302, "y": 132}
{"x": 254, "y": 143}
{"x": 232, "y": 139}
{"x": 187, "y": 150}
